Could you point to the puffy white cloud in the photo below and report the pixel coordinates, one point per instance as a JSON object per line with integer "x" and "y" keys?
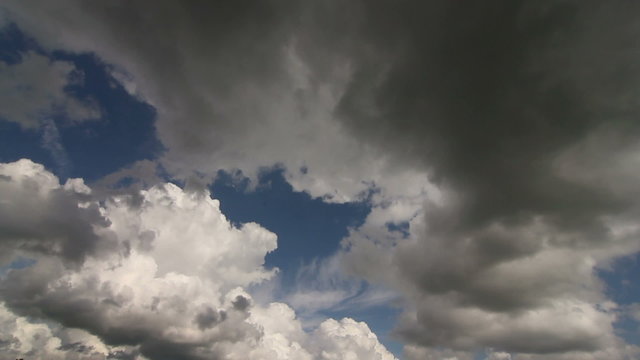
{"x": 164, "y": 273}
{"x": 348, "y": 339}
{"x": 499, "y": 355}
{"x": 22, "y": 337}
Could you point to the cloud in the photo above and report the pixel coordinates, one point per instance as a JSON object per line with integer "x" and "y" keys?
{"x": 532, "y": 157}
{"x": 499, "y": 356}
{"x": 501, "y": 137}
{"x": 33, "y": 90}
{"x": 634, "y": 311}
{"x": 348, "y": 339}
{"x": 39, "y": 215}
{"x": 163, "y": 276}
{"x": 323, "y": 286}
{"x": 22, "y": 337}
{"x": 223, "y": 100}
{"x": 416, "y": 352}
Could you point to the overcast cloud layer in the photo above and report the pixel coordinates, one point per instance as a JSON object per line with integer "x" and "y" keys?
{"x": 505, "y": 133}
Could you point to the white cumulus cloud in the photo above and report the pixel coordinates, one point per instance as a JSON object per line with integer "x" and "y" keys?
{"x": 163, "y": 273}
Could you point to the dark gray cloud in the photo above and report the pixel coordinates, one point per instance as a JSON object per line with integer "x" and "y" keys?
{"x": 77, "y": 347}
{"x": 39, "y": 215}
{"x": 205, "y": 52}
{"x": 241, "y": 303}
{"x": 209, "y": 317}
{"x": 487, "y": 97}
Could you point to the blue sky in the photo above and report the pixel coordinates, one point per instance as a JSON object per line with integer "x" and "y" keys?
{"x": 123, "y": 134}
{"x": 455, "y": 213}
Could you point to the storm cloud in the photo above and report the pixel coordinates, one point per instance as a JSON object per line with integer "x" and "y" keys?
{"x": 512, "y": 108}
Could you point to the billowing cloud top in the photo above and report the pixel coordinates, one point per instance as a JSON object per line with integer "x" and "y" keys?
{"x": 159, "y": 273}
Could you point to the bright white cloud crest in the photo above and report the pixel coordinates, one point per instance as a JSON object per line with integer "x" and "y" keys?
{"x": 169, "y": 282}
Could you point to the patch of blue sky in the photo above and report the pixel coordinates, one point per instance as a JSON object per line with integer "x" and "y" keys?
{"x": 622, "y": 279}
{"x": 16, "y": 143}
{"x": 623, "y": 287}
{"x": 402, "y": 228}
{"x": 307, "y": 228}
{"x": 13, "y": 43}
{"x": 17, "y": 264}
{"x": 123, "y": 134}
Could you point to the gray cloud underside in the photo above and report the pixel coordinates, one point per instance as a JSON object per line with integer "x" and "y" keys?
{"x": 488, "y": 97}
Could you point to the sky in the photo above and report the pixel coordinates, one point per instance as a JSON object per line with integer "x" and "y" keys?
{"x": 320, "y": 180}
